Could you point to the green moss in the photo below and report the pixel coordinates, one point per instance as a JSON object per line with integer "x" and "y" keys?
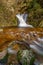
{"x": 34, "y": 9}
{"x": 26, "y": 57}
{"x": 41, "y": 24}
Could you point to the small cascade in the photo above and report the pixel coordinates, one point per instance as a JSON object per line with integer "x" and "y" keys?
{"x": 22, "y": 20}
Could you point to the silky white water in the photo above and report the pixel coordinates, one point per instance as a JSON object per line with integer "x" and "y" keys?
{"x": 22, "y": 20}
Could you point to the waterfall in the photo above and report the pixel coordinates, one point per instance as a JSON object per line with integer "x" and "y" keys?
{"x": 22, "y": 20}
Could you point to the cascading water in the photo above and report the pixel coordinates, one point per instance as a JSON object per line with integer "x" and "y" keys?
{"x": 37, "y": 44}
{"x": 22, "y": 20}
